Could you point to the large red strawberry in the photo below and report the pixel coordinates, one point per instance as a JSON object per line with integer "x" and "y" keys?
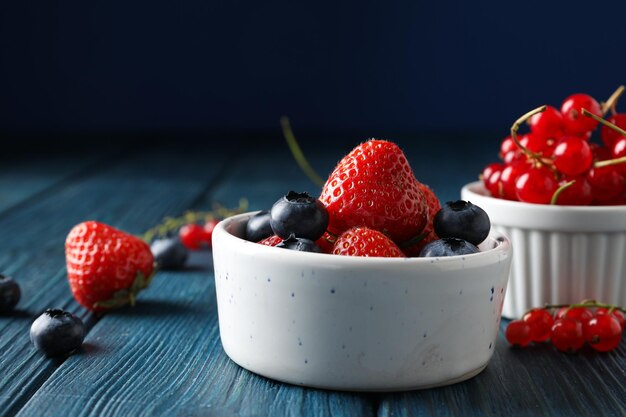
{"x": 106, "y": 267}
{"x": 374, "y": 186}
{"x": 363, "y": 241}
{"x": 428, "y": 234}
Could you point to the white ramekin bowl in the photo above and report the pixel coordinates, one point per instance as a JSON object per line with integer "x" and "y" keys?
{"x": 561, "y": 254}
{"x": 352, "y": 323}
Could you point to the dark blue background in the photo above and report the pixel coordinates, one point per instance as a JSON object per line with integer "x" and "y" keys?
{"x": 196, "y": 66}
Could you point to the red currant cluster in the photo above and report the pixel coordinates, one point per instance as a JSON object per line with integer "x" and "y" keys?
{"x": 555, "y": 163}
{"x": 568, "y": 329}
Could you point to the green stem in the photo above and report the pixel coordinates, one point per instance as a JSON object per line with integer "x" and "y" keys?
{"x": 558, "y": 192}
{"x": 298, "y": 154}
{"x": 612, "y": 101}
{"x": 606, "y": 123}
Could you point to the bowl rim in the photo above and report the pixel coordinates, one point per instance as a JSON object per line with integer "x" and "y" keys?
{"x": 501, "y": 248}
{"x": 478, "y": 188}
{"x": 545, "y": 217}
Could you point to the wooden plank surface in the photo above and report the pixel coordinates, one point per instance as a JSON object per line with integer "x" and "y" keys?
{"x": 164, "y": 357}
{"x": 34, "y": 255}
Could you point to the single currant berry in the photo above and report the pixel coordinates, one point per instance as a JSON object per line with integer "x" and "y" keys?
{"x": 509, "y": 176}
{"x": 572, "y": 156}
{"x": 462, "y": 220}
{"x": 619, "y": 151}
{"x": 567, "y": 335}
{"x": 607, "y": 183}
{"x": 518, "y": 333}
{"x": 193, "y": 236}
{"x": 449, "y": 246}
{"x": 577, "y": 194}
{"x": 573, "y": 120}
{"x": 299, "y": 244}
{"x": 547, "y": 124}
{"x": 494, "y": 185}
{"x": 169, "y": 253}
{"x": 299, "y": 214}
{"x": 507, "y": 145}
{"x": 602, "y": 311}
{"x": 540, "y": 321}
{"x": 9, "y": 293}
{"x": 581, "y": 314}
{"x": 534, "y": 143}
{"x": 610, "y": 136}
{"x": 603, "y": 332}
{"x": 258, "y": 227}
{"x": 489, "y": 170}
{"x": 208, "y": 227}
{"x": 57, "y": 332}
{"x": 536, "y": 185}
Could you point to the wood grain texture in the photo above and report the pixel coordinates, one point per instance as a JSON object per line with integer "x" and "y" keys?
{"x": 34, "y": 253}
{"x": 536, "y": 381}
{"x": 164, "y": 357}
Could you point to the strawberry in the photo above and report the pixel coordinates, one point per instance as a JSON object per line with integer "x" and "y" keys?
{"x": 270, "y": 241}
{"x": 106, "y": 267}
{"x": 428, "y": 234}
{"x": 362, "y": 241}
{"x": 374, "y": 186}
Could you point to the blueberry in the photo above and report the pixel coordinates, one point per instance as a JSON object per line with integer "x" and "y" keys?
{"x": 463, "y": 220}
{"x": 299, "y": 214}
{"x": 299, "y": 244}
{"x": 57, "y": 332}
{"x": 9, "y": 293}
{"x": 258, "y": 227}
{"x": 169, "y": 253}
{"x": 449, "y": 246}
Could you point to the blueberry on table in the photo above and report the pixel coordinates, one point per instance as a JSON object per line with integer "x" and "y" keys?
{"x": 9, "y": 293}
{"x": 169, "y": 253}
{"x": 449, "y": 246}
{"x": 299, "y": 214}
{"x": 258, "y": 227}
{"x": 299, "y": 244}
{"x": 57, "y": 332}
{"x": 463, "y": 220}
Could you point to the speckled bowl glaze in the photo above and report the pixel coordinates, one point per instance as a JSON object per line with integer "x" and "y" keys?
{"x": 353, "y": 323}
{"x": 562, "y": 254}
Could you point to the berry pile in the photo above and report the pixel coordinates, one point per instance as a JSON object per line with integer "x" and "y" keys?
{"x": 569, "y": 327}
{"x": 371, "y": 205}
{"x": 556, "y": 162}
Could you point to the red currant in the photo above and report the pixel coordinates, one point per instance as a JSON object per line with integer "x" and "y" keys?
{"x": 494, "y": 185}
{"x": 581, "y": 314}
{"x": 602, "y": 311}
{"x": 567, "y": 335}
{"x": 603, "y": 332}
{"x": 193, "y": 236}
{"x": 577, "y": 194}
{"x": 619, "y": 151}
{"x": 518, "y": 333}
{"x": 536, "y": 185}
{"x": 509, "y": 176}
{"x": 540, "y": 321}
{"x": 572, "y": 156}
{"x": 489, "y": 170}
{"x": 573, "y": 120}
{"x": 208, "y": 230}
{"x": 507, "y": 145}
{"x": 533, "y": 143}
{"x": 607, "y": 183}
{"x": 547, "y": 124}
{"x": 608, "y": 135}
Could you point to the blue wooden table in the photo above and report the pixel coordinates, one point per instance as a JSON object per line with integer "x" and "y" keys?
{"x": 163, "y": 357}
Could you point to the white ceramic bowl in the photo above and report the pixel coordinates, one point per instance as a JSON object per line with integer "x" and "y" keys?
{"x": 353, "y": 323}
{"x": 562, "y": 254}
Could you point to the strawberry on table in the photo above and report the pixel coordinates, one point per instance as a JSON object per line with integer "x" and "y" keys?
{"x": 374, "y": 186}
{"x": 363, "y": 241}
{"x": 106, "y": 267}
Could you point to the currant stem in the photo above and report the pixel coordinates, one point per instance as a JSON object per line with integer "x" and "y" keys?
{"x": 515, "y": 128}
{"x": 606, "y": 163}
{"x": 606, "y": 123}
{"x": 297, "y": 152}
{"x": 586, "y": 303}
{"x": 559, "y": 190}
{"x": 612, "y": 101}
